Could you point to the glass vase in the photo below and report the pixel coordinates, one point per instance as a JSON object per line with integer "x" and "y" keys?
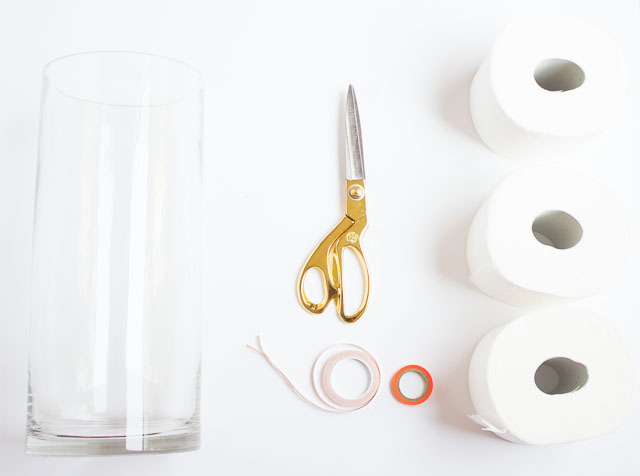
{"x": 114, "y": 358}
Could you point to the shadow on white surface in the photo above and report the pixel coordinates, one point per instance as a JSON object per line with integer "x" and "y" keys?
{"x": 451, "y": 251}
{"x": 11, "y": 443}
{"x": 13, "y": 389}
{"x": 342, "y": 149}
{"x": 453, "y": 410}
{"x": 454, "y": 105}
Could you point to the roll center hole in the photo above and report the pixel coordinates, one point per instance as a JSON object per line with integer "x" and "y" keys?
{"x": 560, "y": 375}
{"x": 412, "y": 385}
{"x": 557, "y": 229}
{"x": 555, "y": 74}
{"x": 350, "y": 378}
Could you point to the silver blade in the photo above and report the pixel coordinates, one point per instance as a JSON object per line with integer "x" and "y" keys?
{"x": 355, "y": 159}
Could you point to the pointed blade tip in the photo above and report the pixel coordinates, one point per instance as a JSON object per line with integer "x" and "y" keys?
{"x": 355, "y": 164}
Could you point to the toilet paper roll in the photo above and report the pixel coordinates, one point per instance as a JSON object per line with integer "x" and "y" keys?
{"x": 548, "y": 86}
{"x": 551, "y": 376}
{"x": 546, "y": 235}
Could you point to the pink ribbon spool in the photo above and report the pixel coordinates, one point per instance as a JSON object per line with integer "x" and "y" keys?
{"x": 322, "y": 380}
{"x": 333, "y": 398}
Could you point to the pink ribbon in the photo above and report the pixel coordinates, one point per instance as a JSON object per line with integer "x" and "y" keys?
{"x": 322, "y": 380}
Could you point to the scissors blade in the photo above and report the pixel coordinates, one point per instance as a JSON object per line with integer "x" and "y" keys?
{"x": 355, "y": 160}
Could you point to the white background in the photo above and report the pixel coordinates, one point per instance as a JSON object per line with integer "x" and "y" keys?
{"x": 276, "y": 76}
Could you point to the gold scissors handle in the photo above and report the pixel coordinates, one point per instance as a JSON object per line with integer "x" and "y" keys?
{"x": 328, "y": 255}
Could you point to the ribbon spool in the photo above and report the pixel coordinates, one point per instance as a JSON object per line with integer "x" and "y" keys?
{"x": 323, "y": 367}
{"x": 321, "y": 377}
{"x": 428, "y": 385}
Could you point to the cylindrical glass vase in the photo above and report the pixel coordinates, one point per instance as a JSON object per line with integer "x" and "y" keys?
{"x": 114, "y": 358}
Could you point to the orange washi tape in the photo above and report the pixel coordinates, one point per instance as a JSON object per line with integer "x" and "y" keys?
{"x": 428, "y": 387}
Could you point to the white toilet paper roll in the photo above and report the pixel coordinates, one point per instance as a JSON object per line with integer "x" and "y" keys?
{"x": 548, "y": 86}
{"x": 546, "y": 235}
{"x": 551, "y": 376}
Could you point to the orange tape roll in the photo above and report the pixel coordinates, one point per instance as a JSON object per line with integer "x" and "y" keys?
{"x": 395, "y": 385}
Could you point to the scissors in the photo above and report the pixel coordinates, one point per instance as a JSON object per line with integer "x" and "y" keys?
{"x": 327, "y": 257}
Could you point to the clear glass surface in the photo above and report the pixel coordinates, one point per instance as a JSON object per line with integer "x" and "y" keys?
{"x": 114, "y": 359}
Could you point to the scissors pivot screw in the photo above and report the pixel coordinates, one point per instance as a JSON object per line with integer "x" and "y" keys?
{"x": 352, "y": 237}
{"x": 356, "y": 192}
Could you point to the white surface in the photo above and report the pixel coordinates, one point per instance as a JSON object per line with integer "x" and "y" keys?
{"x": 277, "y": 74}
{"x": 506, "y": 396}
